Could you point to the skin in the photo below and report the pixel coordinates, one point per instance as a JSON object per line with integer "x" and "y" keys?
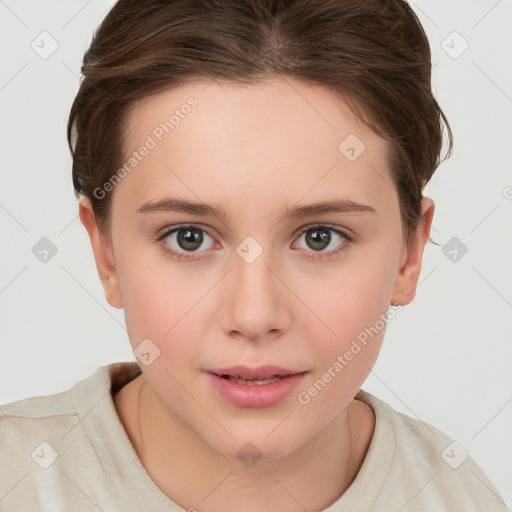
{"x": 254, "y": 150}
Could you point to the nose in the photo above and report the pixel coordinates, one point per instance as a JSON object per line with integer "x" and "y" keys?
{"x": 256, "y": 302}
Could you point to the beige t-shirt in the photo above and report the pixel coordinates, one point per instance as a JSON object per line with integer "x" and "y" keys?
{"x": 69, "y": 452}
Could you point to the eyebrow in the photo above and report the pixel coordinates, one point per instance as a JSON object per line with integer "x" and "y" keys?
{"x": 203, "y": 209}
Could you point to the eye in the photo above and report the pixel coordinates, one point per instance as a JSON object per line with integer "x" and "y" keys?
{"x": 180, "y": 241}
{"x": 321, "y": 238}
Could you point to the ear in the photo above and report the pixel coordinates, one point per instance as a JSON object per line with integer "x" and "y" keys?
{"x": 103, "y": 254}
{"x": 406, "y": 281}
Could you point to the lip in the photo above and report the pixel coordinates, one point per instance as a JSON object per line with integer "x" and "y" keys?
{"x": 255, "y": 396}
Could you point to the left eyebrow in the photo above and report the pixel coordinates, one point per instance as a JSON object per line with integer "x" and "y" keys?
{"x": 336, "y": 206}
{"x": 203, "y": 209}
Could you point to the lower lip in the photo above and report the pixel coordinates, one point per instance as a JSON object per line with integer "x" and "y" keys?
{"x": 256, "y": 396}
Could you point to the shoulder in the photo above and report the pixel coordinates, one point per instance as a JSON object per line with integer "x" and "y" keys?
{"x": 23, "y": 420}
{"x": 422, "y": 468}
{"x": 45, "y": 438}
{"x": 54, "y": 414}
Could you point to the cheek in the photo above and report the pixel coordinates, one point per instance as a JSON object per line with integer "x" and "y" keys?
{"x": 162, "y": 305}
{"x": 152, "y": 288}
{"x": 162, "y": 322}
{"x": 351, "y": 307}
{"x": 147, "y": 304}
{"x": 351, "y": 296}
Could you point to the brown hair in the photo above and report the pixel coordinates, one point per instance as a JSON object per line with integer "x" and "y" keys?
{"x": 374, "y": 55}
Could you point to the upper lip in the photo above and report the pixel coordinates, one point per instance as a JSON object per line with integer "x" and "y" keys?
{"x": 259, "y": 372}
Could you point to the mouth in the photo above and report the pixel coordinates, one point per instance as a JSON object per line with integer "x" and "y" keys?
{"x": 255, "y": 387}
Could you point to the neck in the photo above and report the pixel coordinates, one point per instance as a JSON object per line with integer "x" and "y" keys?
{"x": 193, "y": 475}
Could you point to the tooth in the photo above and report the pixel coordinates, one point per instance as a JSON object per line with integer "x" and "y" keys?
{"x": 254, "y": 382}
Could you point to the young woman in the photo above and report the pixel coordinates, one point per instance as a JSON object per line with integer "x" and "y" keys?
{"x": 250, "y": 174}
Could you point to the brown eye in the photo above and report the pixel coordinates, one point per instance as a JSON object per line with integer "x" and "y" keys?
{"x": 186, "y": 239}
{"x": 320, "y": 238}
{"x": 189, "y": 239}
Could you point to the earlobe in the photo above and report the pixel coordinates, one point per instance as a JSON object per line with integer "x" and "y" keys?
{"x": 103, "y": 254}
{"x": 406, "y": 281}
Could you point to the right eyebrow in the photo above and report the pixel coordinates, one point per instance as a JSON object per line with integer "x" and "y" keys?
{"x": 181, "y": 206}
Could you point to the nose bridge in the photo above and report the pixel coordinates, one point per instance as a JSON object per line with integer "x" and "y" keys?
{"x": 252, "y": 270}
{"x": 255, "y": 304}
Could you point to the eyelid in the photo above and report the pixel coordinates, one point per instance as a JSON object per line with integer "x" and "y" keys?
{"x": 349, "y": 235}
{"x": 165, "y": 232}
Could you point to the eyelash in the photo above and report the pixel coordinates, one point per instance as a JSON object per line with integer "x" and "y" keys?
{"x": 316, "y": 255}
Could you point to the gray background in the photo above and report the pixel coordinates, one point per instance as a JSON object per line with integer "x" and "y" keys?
{"x": 446, "y": 357}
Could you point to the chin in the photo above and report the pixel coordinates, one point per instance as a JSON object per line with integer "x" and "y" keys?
{"x": 250, "y": 445}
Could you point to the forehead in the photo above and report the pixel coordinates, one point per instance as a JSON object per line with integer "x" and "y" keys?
{"x": 282, "y": 138}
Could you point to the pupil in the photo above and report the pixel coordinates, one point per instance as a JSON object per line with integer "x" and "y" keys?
{"x": 188, "y": 236}
{"x": 319, "y": 239}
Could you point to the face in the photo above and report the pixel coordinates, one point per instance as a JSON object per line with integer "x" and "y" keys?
{"x": 261, "y": 280}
